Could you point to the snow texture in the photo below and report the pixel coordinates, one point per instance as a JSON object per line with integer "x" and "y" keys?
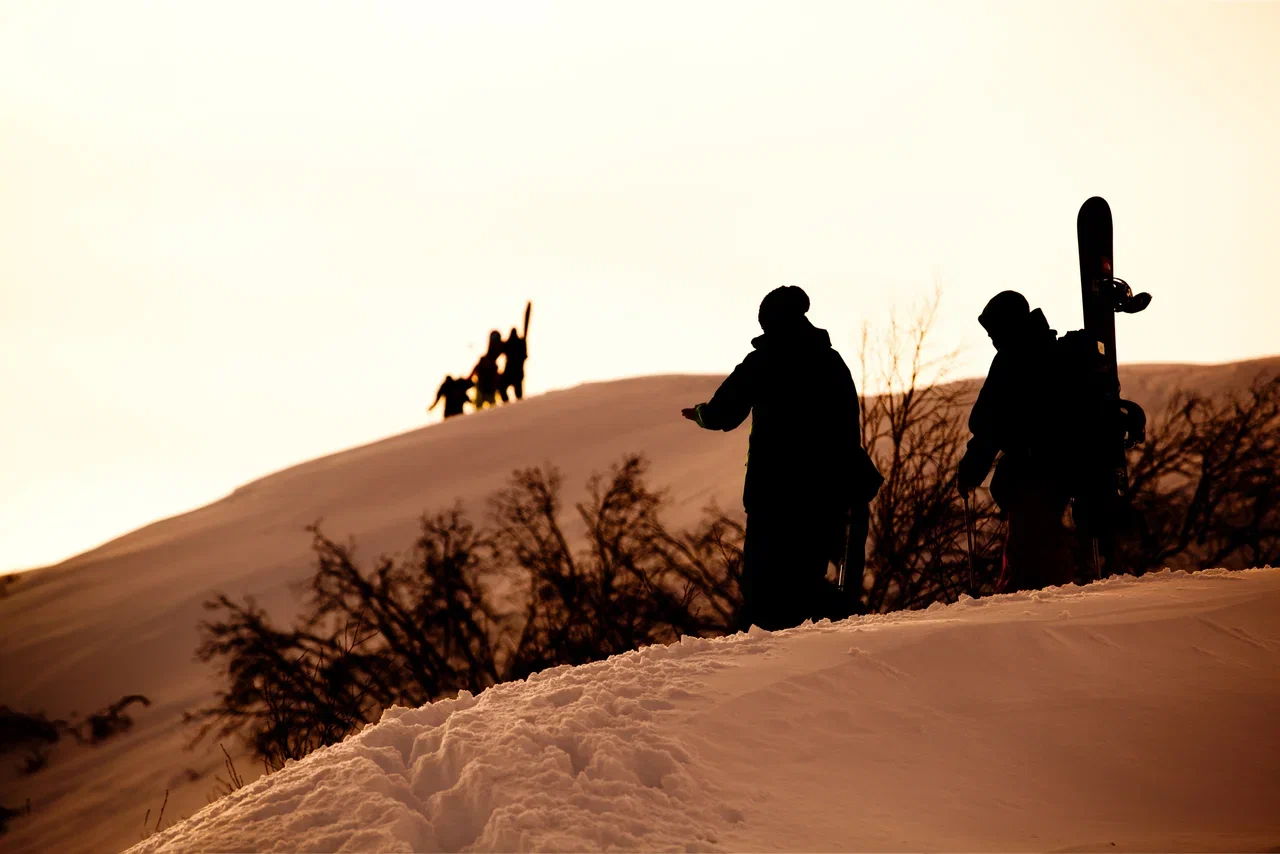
{"x": 1132, "y": 714}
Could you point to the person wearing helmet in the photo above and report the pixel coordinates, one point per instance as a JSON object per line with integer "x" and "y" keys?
{"x": 802, "y": 464}
{"x": 1016, "y": 417}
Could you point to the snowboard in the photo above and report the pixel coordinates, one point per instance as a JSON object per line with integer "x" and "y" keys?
{"x": 1113, "y": 425}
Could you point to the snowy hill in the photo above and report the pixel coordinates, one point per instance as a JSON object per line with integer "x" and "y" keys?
{"x": 1131, "y": 715}
{"x": 121, "y": 619}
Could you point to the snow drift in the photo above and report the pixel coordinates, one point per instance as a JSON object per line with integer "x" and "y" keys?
{"x": 1132, "y": 714}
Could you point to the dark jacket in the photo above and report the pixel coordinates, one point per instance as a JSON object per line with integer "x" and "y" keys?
{"x": 516, "y": 349}
{"x": 1014, "y": 412}
{"x": 804, "y": 447}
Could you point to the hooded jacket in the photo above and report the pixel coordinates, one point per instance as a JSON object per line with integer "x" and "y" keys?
{"x": 1014, "y": 410}
{"x": 804, "y": 445}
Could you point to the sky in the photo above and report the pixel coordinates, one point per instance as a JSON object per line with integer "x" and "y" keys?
{"x": 235, "y": 236}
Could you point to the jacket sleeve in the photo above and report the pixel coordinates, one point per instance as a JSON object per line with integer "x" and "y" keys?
{"x": 732, "y": 402}
{"x": 985, "y": 423}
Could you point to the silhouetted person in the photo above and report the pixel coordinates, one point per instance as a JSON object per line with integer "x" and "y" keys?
{"x": 802, "y": 465}
{"x": 486, "y": 374}
{"x": 515, "y": 350}
{"x": 454, "y": 394}
{"x": 1017, "y": 414}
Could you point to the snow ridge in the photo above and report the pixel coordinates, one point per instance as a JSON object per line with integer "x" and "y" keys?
{"x": 1131, "y": 711}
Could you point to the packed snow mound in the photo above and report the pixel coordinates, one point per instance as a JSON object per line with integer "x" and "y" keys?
{"x": 1131, "y": 714}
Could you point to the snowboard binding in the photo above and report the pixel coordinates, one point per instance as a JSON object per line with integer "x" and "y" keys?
{"x": 1133, "y": 423}
{"x": 1121, "y": 297}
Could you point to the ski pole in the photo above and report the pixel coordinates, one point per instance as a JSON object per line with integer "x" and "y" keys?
{"x": 968, "y": 530}
{"x": 843, "y": 565}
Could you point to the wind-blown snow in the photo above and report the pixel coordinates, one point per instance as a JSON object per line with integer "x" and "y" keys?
{"x": 1132, "y": 714}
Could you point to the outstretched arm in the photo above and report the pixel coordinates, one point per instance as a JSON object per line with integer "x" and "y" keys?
{"x": 692, "y": 413}
{"x": 732, "y": 402}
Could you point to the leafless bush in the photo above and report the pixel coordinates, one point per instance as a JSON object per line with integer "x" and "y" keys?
{"x": 417, "y": 628}
{"x": 405, "y": 632}
{"x": 635, "y": 584}
{"x": 915, "y": 432}
{"x": 34, "y": 735}
{"x": 1206, "y": 484}
{"x": 1204, "y": 488}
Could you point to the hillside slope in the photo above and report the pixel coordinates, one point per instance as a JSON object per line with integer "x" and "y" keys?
{"x": 122, "y": 618}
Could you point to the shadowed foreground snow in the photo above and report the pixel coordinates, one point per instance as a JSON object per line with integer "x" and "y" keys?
{"x": 1133, "y": 714}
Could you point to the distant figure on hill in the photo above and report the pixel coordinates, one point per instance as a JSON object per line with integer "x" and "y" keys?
{"x": 487, "y": 376}
{"x": 515, "y": 351}
{"x": 454, "y": 394}
{"x": 806, "y": 468}
{"x": 1017, "y": 414}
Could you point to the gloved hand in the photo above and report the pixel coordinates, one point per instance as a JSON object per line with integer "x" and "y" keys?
{"x": 971, "y": 472}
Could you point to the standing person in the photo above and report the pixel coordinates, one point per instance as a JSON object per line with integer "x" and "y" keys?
{"x": 803, "y": 459}
{"x": 515, "y": 351}
{"x": 1018, "y": 417}
{"x": 487, "y": 375}
{"x": 454, "y": 394}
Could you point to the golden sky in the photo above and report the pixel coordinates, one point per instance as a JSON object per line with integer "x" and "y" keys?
{"x": 238, "y": 235}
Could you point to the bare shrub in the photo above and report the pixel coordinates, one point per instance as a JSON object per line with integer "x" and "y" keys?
{"x": 444, "y": 618}
{"x": 1206, "y": 485}
{"x": 406, "y": 631}
{"x": 915, "y": 433}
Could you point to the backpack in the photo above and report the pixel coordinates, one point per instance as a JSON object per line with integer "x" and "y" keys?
{"x": 1092, "y": 420}
{"x": 867, "y": 479}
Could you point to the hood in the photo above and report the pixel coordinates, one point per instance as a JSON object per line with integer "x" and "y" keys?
{"x": 1031, "y": 331}
{"x": 800, "y": 336}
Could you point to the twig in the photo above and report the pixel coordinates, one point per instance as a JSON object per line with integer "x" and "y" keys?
{"x": 160, "y": 818}
{"x": 236, "y": 781}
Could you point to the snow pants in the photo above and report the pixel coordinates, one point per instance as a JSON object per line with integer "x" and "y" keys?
{"x": 784, "y": 567}
{"x": 513, "y": 380}
{"x": 1038, "y": 548}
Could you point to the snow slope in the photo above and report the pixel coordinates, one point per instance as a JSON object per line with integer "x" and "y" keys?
{"x": 121, "y": 618}
{"x": 1132, "y": 714}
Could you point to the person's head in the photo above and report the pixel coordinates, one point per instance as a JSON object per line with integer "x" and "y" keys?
{"x": 495, "y": 336}
{"x": 783, "y": 308}
{"x": 513, "y": 336}
{"x": 1005, "y": 315}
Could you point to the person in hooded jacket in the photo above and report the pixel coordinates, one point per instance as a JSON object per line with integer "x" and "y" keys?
{"x": 486, "y": 375}
{"x": 515, "y": 351}
{"x": 1018, "y": 416}
{"x": 454, "y": 394}
{"x": 805, "y": 463}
